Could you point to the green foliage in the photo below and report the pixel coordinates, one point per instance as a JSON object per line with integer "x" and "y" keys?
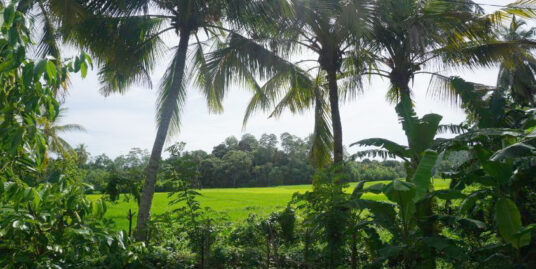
{"x": 509, "y": 223}
{"x": 54, "y": 225}
{"x": 235, "y": 163}
{"x": 46, "y": 221}
{"x": 26, "y": 97}
{"x": 485, "y": 218}
{"x": 372, "y": 170}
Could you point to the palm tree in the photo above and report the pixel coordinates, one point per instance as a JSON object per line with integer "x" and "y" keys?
{"x": 486, "y": 106}
{"x": 52, "y": 131}
{"x": 414, "y": 35}
{"x": 127, "y": 41}
{"x": 518, "y": 74}
{"x": 331, "y": 30}
{"x": 242, "y": 59}
{"x": 82, "y": 155}
{"x": 52, "y": 16}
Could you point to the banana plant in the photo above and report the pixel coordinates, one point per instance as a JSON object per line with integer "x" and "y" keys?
{"x": 411, "y": 218}
{"x": 410, "y": 245}
{"x": 504, "y": 174}
{"x": 420, "y": 133}
{"x": 501, "y": 145}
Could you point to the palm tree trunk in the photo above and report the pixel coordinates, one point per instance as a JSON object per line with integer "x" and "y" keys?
{"x": 146, "y": 198}
{"x": 335, "y": 117}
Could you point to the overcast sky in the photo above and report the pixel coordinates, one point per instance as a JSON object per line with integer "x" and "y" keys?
{"x": 119, "y": 122}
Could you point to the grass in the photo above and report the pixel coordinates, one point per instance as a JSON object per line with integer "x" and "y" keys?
{"x": 235, "y": 203}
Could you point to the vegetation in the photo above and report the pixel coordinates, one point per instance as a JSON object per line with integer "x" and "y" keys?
{"x": 484, "y": 216}
{"x": 247, "y": 162}
{"x": 231, "y": 204}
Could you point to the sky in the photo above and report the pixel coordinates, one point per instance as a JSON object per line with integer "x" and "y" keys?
{"x": 117, "y": 123}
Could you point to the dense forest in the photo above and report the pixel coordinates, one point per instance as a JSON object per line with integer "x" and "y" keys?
{"x": 485, "y": 218}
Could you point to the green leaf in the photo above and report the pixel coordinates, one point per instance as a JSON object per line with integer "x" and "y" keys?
{"x": 501, "y": 172}
{"x": 390, "y": 146}
{"x": 6, "y": 64}
{"x": 40, "y": 69}
{"x": 358, "y": 190}
{"x": 9, "y": 15}
{"x": 87, "y": 58}
{"x": 472, "y": 222}
{"x": 376, "y": 188}
{"x": 384, "y": 214}
{"x": 420, "y": 132}
{"x": 448, "y": 194}
{"x": 426, "y": 131}
{"x": 517, "y": 150}
{"x": 509, "y": 223}
{"x": 27, "y": 74}
{"x": 36, "y": 199}
{"x": 51, "y": 70}
{"x": 402, "y": 193}
{"x": 83, "y": 69}
{"x": 423, "y": 175}
{"x": 470, "y": 201}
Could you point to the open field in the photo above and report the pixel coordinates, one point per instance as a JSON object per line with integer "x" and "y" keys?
{"x": 235, "y": 203}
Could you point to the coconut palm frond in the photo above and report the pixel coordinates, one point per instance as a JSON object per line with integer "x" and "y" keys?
{"x": 488, "y": 54}
{"x": 373, "y": 153}
{"x": 452, "y": 128}
{"x": 171, "y": 96}
{"x": 322, "y": 145}
{"x": 69, "y": 128}
{"x": 126, "y": 48}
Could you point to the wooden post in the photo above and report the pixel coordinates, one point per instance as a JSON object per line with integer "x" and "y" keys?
{"x": 129, "y": 217}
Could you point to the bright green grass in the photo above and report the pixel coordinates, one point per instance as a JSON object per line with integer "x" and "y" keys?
{"x": 235, "y": 203}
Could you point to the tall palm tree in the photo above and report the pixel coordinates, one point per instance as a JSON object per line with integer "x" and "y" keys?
{"x": 418, "y": 37}
{"x": 244, "y": 59}
{"x": 333, "y": 31}
{"x": 52, "y": 131}
{"x": 518, "y": 74}
{"x": 126, "y": 37}
{"x": 486, "y": 106}
{"x": 414, "y": 36}
{"x": 82, "y": 155}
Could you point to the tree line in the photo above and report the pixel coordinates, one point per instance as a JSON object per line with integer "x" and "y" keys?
{"x": 248, "y": 162}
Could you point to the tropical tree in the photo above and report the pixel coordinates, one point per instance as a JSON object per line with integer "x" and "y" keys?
{"x": 518, "y": 73}
{"x": 500, "y": 149}
{"x": 82, "y": 155}
{"x": 52, "y": 131}
{"x": 332, "y": 31}
{"x": 515, "y": 83}
{"x": 416, "y": 35}
{"x": 38, "y": 229}
{"x": 26, "y": 92}
{"x": 419, "y": 158}
{"x": 52, "y": 17}
{"x": 127, "y": 39}
{"x": 412, "y": 36}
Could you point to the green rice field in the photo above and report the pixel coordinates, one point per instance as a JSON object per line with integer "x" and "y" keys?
{"x": 234, "y": 203}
